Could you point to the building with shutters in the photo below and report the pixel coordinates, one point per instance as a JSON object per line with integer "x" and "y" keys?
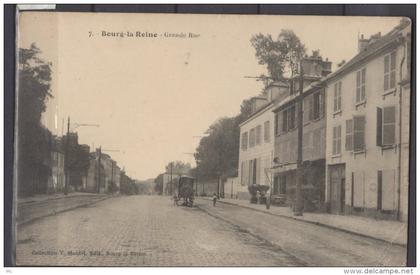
{"x": 257, "y": 140}
{"x": 367, "y": 118}
{"x": 313, "y": 140}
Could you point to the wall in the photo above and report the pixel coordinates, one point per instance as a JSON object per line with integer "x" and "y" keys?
{"x": 364, "y": 166}
{"x": 262, "y": 151}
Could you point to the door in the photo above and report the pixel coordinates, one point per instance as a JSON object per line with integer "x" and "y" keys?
{"x": 337, "y": 188}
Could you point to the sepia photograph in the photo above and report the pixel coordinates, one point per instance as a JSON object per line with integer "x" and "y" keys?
{"x": 178, "y": 140}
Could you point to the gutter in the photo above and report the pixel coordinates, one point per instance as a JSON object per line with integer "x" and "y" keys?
{"x": 400, "y": 133}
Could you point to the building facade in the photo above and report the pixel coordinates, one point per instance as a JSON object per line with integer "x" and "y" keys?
{"x": 313, "y": 138}
{"x": 368, "y": 103}
{"x": 56, "y": 180}
{"x": 257, "y": 140}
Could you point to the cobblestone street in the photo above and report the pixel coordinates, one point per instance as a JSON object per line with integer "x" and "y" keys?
{"x": 142, "y": 231}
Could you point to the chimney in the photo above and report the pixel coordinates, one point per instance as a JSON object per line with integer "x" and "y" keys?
{"x": 363, "y": 43}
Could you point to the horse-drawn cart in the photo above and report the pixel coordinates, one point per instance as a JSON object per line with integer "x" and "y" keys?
{"x": 185, "y": 191}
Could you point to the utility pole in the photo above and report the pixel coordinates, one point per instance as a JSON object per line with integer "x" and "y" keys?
{"x": 298, "y": 209}
{"x": 112, "y": 175}
{"x": 170, "y": 185}
{"x": 66, "y": 159}
{"x": 99, "y": 169}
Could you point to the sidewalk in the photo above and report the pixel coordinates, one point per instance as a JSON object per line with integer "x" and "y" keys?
{"x": 390, "y": 231}
{"x": 44, "y": 197}
{"x": 40, "y": 206}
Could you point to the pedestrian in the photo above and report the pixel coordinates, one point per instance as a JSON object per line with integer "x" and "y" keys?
{"x": 214, "y": 199}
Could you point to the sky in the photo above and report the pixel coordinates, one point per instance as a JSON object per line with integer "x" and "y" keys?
{"x": 153, "y": 97}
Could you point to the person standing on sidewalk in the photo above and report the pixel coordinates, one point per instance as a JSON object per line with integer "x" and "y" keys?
{"x": 214, "y": 199}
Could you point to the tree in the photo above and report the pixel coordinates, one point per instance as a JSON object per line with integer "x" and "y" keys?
{"x": 33, "y": 139}
{"x": 280, "y": 56}
{"x": 217, "y": 153}
{"x": 178, "y": 167}
{"x": 159, "y": 184}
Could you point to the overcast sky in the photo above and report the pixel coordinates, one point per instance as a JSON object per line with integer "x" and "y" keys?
{"x": 151, "y": 96}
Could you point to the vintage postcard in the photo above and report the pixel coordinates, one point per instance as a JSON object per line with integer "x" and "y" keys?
{"x": 211, "y": 140}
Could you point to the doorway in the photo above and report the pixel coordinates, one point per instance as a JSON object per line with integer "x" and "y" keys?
{"x": 337, "y": 188}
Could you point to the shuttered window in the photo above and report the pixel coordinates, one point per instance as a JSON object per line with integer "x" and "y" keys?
{"x": 379, "y": 127}
{"x": 349, "y": 135}
{"x": 337, "y": 140}
{"x": 389, "y": 71}
{"x": 361, "y": 85}
{"x": 284, "y": 121}
{"x": 252, "y": 138}
{"x": 267, "y": 131}
{"x": 385, "y": 126}
{"x": 306, "y": 109}
{"x": 388, "y": 129}
{"x": 317, "y": 105}
{"x": 359, "y": 133}
{"x": 244, "y": 141}
{"x": 291, "y": 118}
{"x": 337, "y": 96}
{"x": 258, "y": 135}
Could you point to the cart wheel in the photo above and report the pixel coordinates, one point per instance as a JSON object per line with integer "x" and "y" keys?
{"x": 178, "y": 202}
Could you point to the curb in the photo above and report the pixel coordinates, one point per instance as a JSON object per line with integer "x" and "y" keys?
{"x": 58, "y": 198}
{"x": 29, "y": 221}
{"x": 315, "y": 223}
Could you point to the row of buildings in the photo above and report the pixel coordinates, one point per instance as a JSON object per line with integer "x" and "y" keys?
{"x": 94, "y": 171}
{"x": 355, "y": 140}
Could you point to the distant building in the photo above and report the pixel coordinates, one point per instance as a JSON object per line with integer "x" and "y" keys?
{"x": 56, "y": 180}
{"x": 368, "y": 107}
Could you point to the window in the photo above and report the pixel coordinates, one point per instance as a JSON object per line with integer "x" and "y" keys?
{"x": 258, "y": 135}
{"x": 291, "y": 117}
{"x": 244, "y": 141}
{"x": 385, "y": 128}
{"x": 252, "y": 138}
{"x": 337, "y": 96}
{"x": 306, "y": 108}
{"x": 358, "y": 133}
{"x": 284, "y": 121}
{"x": 349, "y": 135}
{"x": 318, "y": 105}
{"x": 267, "y": 131}
{"x": 337, "y": 140}
{"x": 361, "y": 86}
{"x": 389, "y": 71}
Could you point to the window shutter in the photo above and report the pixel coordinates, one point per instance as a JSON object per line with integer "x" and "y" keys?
{"x": 310, "y": 106}
{"x": 349, "y": 135}
{"x": 339, "y": 96}
{"x": 276, "y": 123}
{"x": 338, "y": 136}
{"x": 389, "y": 119}
{"x": 378, "y": 127}
{"x": 285, "y": 120}
{"x": 321, "y": 104}
{"x": 336, "y": 97}
{"x": 258, "y": 135}
{"x": 358, "y": 87}
{"x": 358, "y": 133}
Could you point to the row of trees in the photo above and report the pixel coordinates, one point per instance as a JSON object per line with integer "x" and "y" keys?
{"x": 33, "y": 139}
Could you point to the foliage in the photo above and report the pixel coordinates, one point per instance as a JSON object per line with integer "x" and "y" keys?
{"x": 217, "y": 153}
{"x": 77, "y": 161}
{"x": 34, "y": 140}
{"x": 178, "y": 167}
{"x": 159, "y": 184}
{"x": 279, "y": 56}
{"x": 127, "y": 185}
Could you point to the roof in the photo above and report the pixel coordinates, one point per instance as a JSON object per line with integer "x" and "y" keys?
{"x": 314, "y": 85}
{"x": 259, "y": 111}
{"x": 379, "y": 44}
